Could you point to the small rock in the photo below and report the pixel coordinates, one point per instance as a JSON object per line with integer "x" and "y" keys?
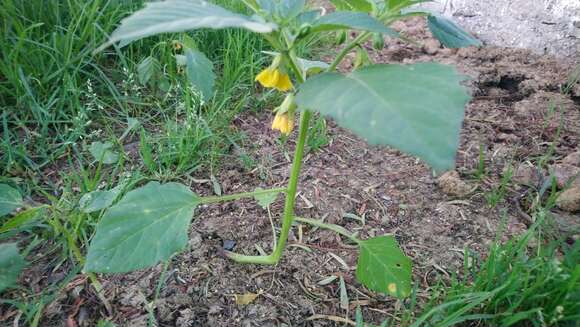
{"x": 565, "y": 173}
{"x": 451, "y": 184}
{"x": 572, "y": 159}
{"x": 525, "y": 174}
{"x": 569, "y": 200}
{"x": 431, "y": 46}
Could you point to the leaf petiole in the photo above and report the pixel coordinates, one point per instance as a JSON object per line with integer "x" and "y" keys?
{"x": 335, "y": 228}
{"x": 232, "y": 197}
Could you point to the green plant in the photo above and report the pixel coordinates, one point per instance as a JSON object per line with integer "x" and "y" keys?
{"x": 415, "y": 108}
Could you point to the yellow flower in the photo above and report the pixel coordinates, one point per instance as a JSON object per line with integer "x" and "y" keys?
{"x": 284, "y": 123}
{"x": 273, "y": 78}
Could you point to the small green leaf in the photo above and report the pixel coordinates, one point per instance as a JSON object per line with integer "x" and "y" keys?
{"x": 383, "y": 267}
{"x": 148, "y": 68}
{"x": 414, "y": 108}
{"x": 351, "y": 20}
{"x": 450, "y": 34}
{"x": 353, "y": 5}
{"x": 146, "y": 226}
{"x": 308, "y": 67}
{"x": 10, "y": 199}
{"x": 99, "y": 200}
{"x": 265, "y": 199}
{"x": 11, "y": 264}
{"x": 290, "y": 8}
{"x": 174, "y": 16}
{"x": 102, "y": 152}
{"x": 200, "y": 72}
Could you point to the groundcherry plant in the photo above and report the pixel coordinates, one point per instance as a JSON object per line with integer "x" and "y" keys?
{"x": 416, "y": 108}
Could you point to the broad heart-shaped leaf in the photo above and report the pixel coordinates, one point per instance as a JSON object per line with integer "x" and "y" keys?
{"x": 414, "y": 108}
{"x": 146, "y": 226}
{"x": 10, "y": 199}
{"x": 200, "y": 72}
{"x": 351, "y": 20}
{"x": 450, "y": 34}
{"x": 353, "y": 5}
{"x": 11, "y": 264}
{"x": 173, "y": 16}
{"x": 383, "y": 267}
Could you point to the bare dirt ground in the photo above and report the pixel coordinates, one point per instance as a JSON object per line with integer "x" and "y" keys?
{"x": 514, "y": 116}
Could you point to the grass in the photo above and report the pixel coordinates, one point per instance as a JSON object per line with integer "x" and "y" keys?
{"x": 513, "y": 286}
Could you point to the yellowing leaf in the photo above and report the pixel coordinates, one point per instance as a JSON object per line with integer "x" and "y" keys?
{"x": 244, "y": 299}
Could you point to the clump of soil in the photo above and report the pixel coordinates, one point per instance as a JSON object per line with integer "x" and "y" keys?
{"x": 516, "y": 114}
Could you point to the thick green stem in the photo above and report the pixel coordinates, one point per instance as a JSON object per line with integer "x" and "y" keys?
{"x": 289, "y": 204}
{"x": 288, "y": 218}
{"x": 231, "y": 197}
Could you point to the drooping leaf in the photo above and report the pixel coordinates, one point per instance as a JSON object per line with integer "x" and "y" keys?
{"x": 10, "y": 199}
{"x": 11, "y": 264}
{"x": 148, "y": 68}
{"x": 383, "y": 267}
{"x": 414, "y": 108}
{"x": 173, "y": 16}
{"x": 265, "y": 199}
{"x": 351, "y": 20}
{"x": 450, "y": 34}
{"x": 200, "y": 72}
{"x": 99, "y": 200}
{"x": 353, "y": 5}
{"x": 146, "y": 226}
{"x": 21, "y": 219}
{"x": 103, "y": 152}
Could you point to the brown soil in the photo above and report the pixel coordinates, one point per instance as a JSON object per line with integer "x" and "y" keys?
{"x": 511, "y": 116}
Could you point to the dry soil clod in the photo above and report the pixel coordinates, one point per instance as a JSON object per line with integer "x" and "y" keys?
{"x": 569, "y": 200}
{"x": 451, "y": 184}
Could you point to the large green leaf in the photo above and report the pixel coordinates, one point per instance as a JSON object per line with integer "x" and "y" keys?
{"x": 146, "y": 226}
{"x": 11, "y": 264}
{"x": 351, "y": 20}
{"x": 383, "y": 267}
{"x": 10, "y": 199}
{"x": 200, "y": 72}
{"x": 450, "y": 34}
{"x": 173, "y": 16}
{"x": 415, "y": 108}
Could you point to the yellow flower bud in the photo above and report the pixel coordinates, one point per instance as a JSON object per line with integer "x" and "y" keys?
{"x": 284, "y": 123}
